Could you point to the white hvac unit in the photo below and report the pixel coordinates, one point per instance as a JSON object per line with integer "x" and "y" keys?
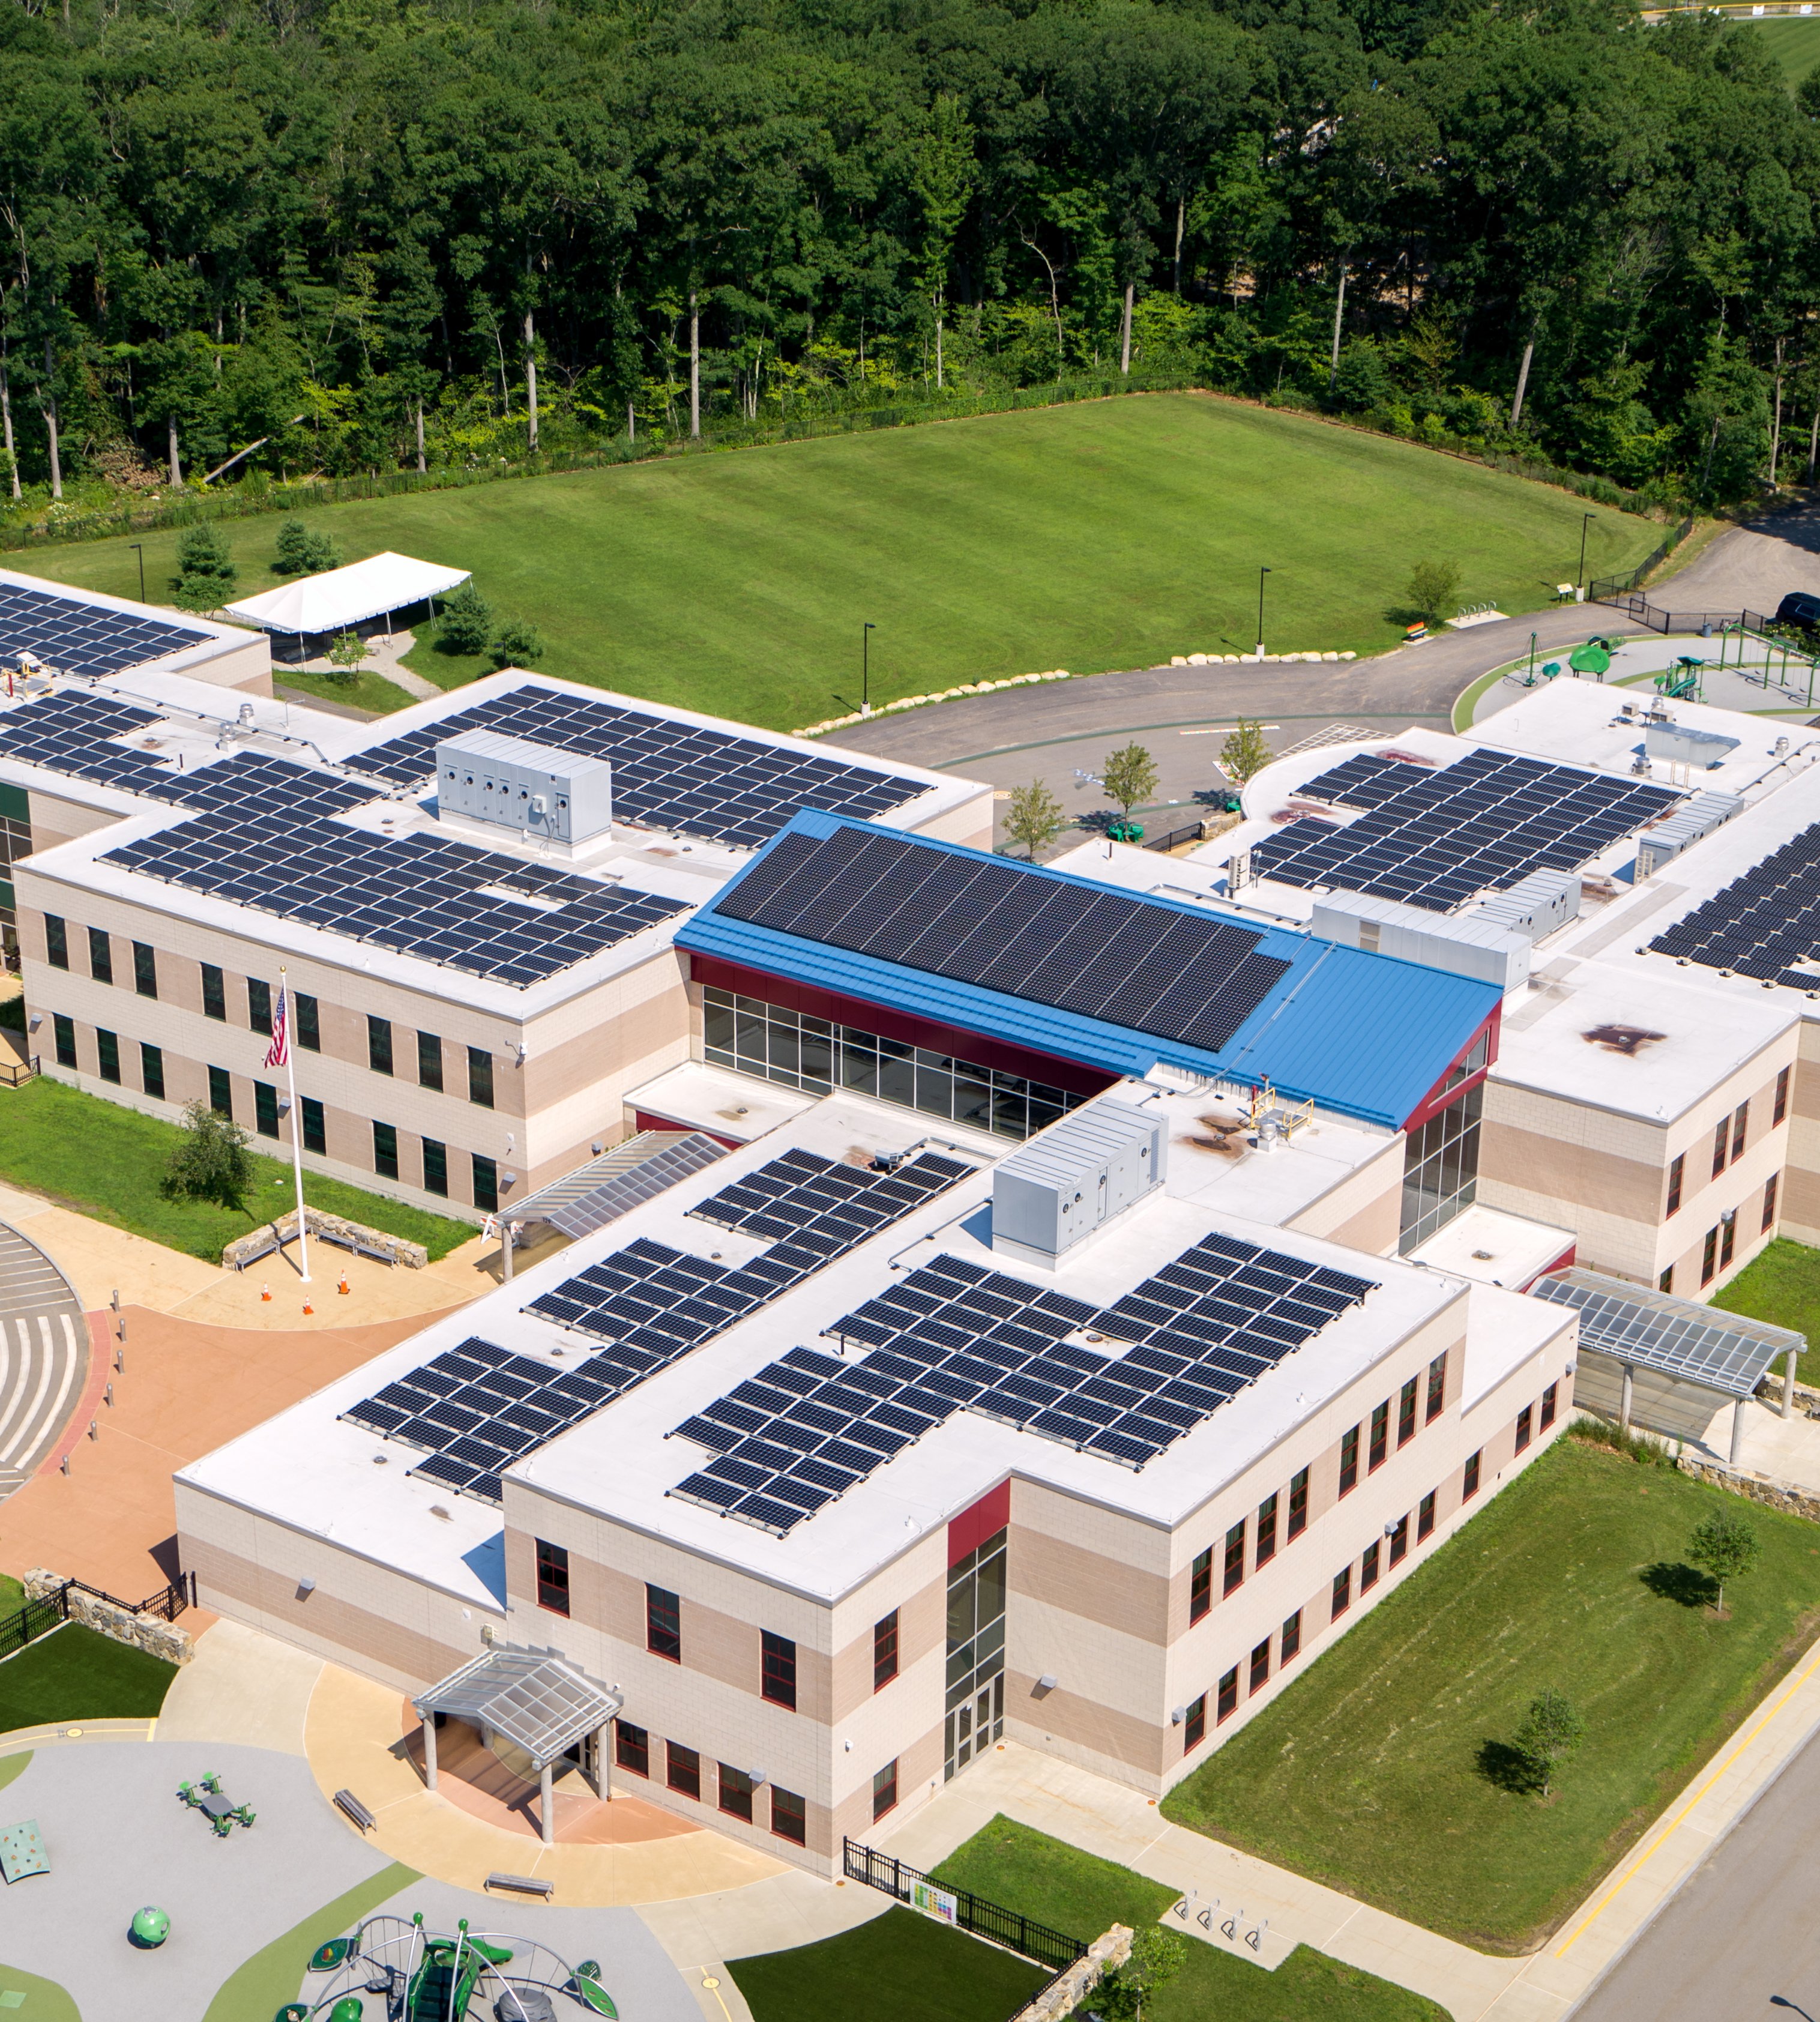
{"x": 1696, "y": 817}
{"x": 1681, "y": 744}
{"x": 1462, "y": 944}
{"x": 550, "y": 796}
{"x": 1535, "y": 905}
{"x": 1077, "y": 1175}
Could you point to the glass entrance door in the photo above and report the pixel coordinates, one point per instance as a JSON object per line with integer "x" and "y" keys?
{"x": 976, "y": 1707}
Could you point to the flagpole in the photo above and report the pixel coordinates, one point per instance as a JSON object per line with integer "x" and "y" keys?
{"x": 303, "y": 1233}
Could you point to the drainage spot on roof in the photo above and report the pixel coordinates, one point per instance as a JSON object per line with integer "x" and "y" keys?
{"x": 1628, "y": 1040}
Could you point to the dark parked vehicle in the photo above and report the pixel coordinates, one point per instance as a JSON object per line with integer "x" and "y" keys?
{"x": 1801, "y": 607}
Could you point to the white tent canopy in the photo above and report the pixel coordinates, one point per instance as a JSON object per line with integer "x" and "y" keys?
{"x": 343, "y": 597}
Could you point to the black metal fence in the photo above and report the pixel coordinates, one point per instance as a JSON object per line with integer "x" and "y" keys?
{"x": 1637, "y": 608}
{"x": 1597, "y": 591}
{"x": 1011, "y": 1928}
{"x": 50, "y": 1611}
{"x": 1174, "y": 837}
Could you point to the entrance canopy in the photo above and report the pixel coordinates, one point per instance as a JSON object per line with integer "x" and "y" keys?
{"x": 340, "y": 598}
{"x": 1643, "y": 1329}
{"x": 541, "y": 1702}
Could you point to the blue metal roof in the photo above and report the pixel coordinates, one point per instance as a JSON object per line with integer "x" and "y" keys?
{"x": 1365, "y": 1035}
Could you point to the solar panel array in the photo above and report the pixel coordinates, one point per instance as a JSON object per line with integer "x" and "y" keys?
{"x": 1434, "y": 836}
{"x": 265, "y": 841}
{"x": 621, "y": 1192}
{"x": 1149, "y": 967}
{"x": 73, "y": 733}
{"x": 652, "y": 1303}
{"x": 954, "y": 1337}
{"x": 87, "y": 639}
{"x": 1762, "y": 923}
{"x": 673, "y": 776}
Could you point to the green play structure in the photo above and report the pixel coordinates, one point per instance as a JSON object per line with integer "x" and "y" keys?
{"x": 431, "y": 1976}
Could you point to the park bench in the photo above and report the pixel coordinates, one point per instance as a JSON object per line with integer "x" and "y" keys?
{"x": 530, "y": 1885}
{"x": 355, "y": 1810}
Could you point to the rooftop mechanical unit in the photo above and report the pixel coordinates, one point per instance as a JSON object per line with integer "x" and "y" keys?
{"x": 1681, "y": 744}
{"x": 1698, "y": 817}
{"x": 1077, "y": 1175}
{"x": 1535, "y": 906}
{"x": 551, "y": 796}
{"x": 1462, "y": 944}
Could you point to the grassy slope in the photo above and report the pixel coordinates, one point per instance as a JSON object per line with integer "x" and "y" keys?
{"x": 901, "y": 1967}
{"x": 73, "y": 1673}
{"x": 1795, "y": 43}
{"x": 1780, "y": 1284}
{"x": 1376, "y": 1771}
{"x": 269, "y": 1979}
{"x": 106, "y": 1161}
{"x": 1071, "y": 1891}
{"x": 1108, "y": 534}
{"x": 368, "y": 690}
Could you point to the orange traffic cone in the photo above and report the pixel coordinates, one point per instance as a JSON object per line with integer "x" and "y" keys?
{"x": 308, "y": 1307}
{"x": 265, "y": 1294}
{"x": 342, "y": 1287}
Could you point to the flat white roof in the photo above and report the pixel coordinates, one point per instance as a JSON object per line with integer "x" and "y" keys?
{"x": 1494, "y": 1248}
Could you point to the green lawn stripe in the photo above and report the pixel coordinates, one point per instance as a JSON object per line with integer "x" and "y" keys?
{"x": 901, "y": 1967}
{"x": 256, "y": 1990}
{"x": 75, "y": 1674}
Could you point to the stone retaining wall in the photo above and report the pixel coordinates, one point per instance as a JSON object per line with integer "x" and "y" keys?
{"x": 1757, "y": 1488}
{"x": 149, "y": 1632}
{"x": 1066, "y": 1993}
{"x": 394, "y": 1249}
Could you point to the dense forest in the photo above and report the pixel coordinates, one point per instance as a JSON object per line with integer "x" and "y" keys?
{"x": 377, "y": 235}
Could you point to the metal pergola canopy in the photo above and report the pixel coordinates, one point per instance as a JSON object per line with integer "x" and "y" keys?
{"x": 541, "y": 1702}
{"x": 1725, "y": 1352}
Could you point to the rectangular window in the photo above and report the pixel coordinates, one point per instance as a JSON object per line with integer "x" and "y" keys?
{"x": 663, "y": 1623}
{"x": 215, "y": 993}
{"x": 63, "y": 1032}
{"x": 1782, "y": 1108}
{"x": 1677, "y": 1172}
{"x": 734, "y": 1793}
{"x": 385, "y": 1150}
{"x": 1440, "y": 1168}
{"x": 1291, "y": 1641}
{"x": 1266, "y": 1548}
{"x": 435, "y": 1168}
{"x": 1235, "y": 1572}
{"x": 144, "y": 968}
{"x": 552, "y": 1577}
{"x": 885, "y": 1652}
{"x": 1226, "y": 1701}
{"x": 1200, "y": 1585}
{"x": 56, "y": 942}
{"x": 1469, "y": 1480}
{"x": 778, "y": 1670}
{"x": 631, "y": 1747}
{"x": 1549, "y": 1399}
{"x": 1260, "y": 1667}
{"x": 480, "y": 1077}
{"x": 100, "y": 956}
{"x": 1721, "y": 1138}
{"x": 1425, "y": 1516}
{"x": 1407, "y": 1411}
{"x": 1525, "y": 1426}
{"x": 1770, "y": 1201}
{"x": 220, "y": 1092}
{"x": 683, "y": 1768}
{"x": 486, "y": 1184}
{"x": 152, "y": 1070}
{"x": 884, "y": 1790}
{"x": 789, "y": 1816}
{"x": 315, "y": 1129}
{"x": 429, "y": 1060}
{"x": 309, "y": 1022}
{"x": 1349, "y": 1461}
{"x": 1740, "y": 1130}
{"x": 1194, "y": 1727}
{"x": 1727, "y": 1238}
{"x": 1666, "y": 1282}
{"x": 265, "y": 1109}
{"x": 1709, "y": 1257}
{"x": 1399, "y": 1541}
{"x": 1380, "y": 1437}
{"x": 1437, "y": 1388}
{"x": 1298, "y": 1521}
{"x": 1368, "y": 1565}
{"x": 108, "y": 1055}
{"x": 1342, "y": 1593}
{"x": 379, "y": 1044}
{"x": 259, "y": 1006}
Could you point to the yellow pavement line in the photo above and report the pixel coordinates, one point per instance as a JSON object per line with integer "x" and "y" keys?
{"x": 712, "y": 1984}
{"x": 1659, "y": 1837}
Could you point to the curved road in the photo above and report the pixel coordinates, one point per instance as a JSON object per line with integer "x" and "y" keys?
{"x": 44, "y": 1356}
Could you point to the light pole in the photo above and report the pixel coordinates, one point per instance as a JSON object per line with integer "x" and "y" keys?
{"x": 1586, "y": 520}
{"x": 1261, "y": 574}
{"x": 138, "y": 548}
{"x": 866, "y": 634}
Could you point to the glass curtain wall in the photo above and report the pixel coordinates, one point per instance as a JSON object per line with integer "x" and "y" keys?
{"x": 1440, "y": 1168}
{"x": 975, "y": 1654}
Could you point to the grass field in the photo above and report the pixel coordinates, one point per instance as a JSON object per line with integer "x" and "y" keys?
{"x": 1071, "y": 1891}
{"x": 1110, "y": 533}
{"x": 1794, "y": 43}
{"x": 1780, "y": 1284}
{"x": 1384, "y": 1769}
{"x": 106, "y": 1161}
{"x": 900, "y": 1967}
{"x": 367, "y": 690}
{"x": 73, "y": 1673}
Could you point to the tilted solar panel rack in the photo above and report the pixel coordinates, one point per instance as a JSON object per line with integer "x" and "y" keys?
{"x": 682, "y": 777}
{"x": 1149, "y": 967}
{"x": 1763, "y": 924}
{"x": 954, "y": 1336}
{"x": 75, "y": 733}
{"x": 88, "y": 640}
{"x": 1728, "y": 1352}
{"x": 649, "y": 1303}
{"x": 1435, "y": 836}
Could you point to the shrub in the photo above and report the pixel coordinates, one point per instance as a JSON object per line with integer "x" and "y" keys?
{"x": 519, "y": 644}
{"x": 467, "y": 621}
{"x": 306, "y": 550}
{"x": 1634, "y": 1446}
{"x": 212, "y": 1161}
{"x": 206, "y": 576}
{"x": 1434, "y": 589}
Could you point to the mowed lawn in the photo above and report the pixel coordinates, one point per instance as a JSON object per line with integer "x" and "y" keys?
{"x": 1793, "y": 42}
{"x": 1109, "y": 534}
{"x": 75, "y": 1673}
{"x": 901, "y": 1967}
{"x": 1382, "y": 1770}
{"x": 1780, "y": 1284}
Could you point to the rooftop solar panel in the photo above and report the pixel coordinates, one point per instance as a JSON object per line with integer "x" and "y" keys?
{"x": 74, "y": 636}
{"x": 1763, "y": 925}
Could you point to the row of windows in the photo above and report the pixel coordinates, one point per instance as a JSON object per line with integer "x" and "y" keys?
{"x": 735, "y": 1794}
{"x": 1730, "y": 1135}
{"x": 1721, "y": 1242}
{"x": 306, "y": 1012}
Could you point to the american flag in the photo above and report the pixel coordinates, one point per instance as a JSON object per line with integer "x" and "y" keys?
{"x": 278, "y": 1053}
